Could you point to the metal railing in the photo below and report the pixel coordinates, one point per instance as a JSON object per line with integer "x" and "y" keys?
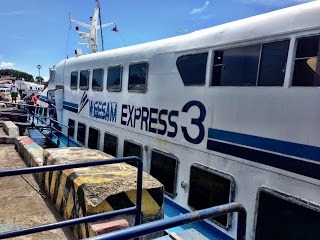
{"x": 159, "y": 225}
{"x": 131, "y": 210}
{"x": 53, "y": 126}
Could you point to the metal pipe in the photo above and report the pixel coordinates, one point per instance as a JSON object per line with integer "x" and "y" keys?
{"x": 159, "y": 225}
{"x": 7, "y": 173}
{"x": 67, "y": 223}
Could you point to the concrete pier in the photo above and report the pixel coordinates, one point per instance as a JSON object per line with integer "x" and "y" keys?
{"x": 23, "y": 203}
{"x": 73, "y": 193}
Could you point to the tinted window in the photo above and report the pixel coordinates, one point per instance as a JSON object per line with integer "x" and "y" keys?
{"x": 71, "y": 124}
{"x": 84, "y": 79}
{"x": 209, "y": 188}
{"x": 236, "y": 66}
{"x": 81, "y": 136}
{"x": 273, "y": 63}
{"x": 114, "y": 79}
{"x": 192, "y": 69}
{"x": 97, "y": 79}
{"x": 93, "y": 139}
{"x": 306, "y": 67}
{"x": 132, "y": 149}
{"x": 138, "y": 74}
{"x": 110, "y": 144}
{"x": 278, "y": 218}
{"x": 74, "y": 80}
{"x": 164, "y": 168}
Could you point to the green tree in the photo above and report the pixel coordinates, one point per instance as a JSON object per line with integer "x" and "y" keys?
{"x": 15, "y": 73}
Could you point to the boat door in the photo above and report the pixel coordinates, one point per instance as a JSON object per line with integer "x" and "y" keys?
{"x": 56, "y": 97}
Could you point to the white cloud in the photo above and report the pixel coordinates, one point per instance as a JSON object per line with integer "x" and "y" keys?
{"x": 199, "y": 10}
{"x": 18, "y": 12}
{"x": 6, "y": 64}
{"x": 275, "y": 2}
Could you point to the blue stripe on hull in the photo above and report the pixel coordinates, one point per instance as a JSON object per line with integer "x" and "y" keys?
{"x": 305, "y": 168}
{"x": 72, "y": 107}
{"x": 279, "y": 146}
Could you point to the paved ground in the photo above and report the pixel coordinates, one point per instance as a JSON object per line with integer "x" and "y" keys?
{"x": 22, "y": 204}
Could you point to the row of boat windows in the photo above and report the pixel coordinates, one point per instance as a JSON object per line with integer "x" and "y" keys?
{"x": 137, "y": 82}
{"x": 209, "y": 187}
{"x": 255, "y": 65}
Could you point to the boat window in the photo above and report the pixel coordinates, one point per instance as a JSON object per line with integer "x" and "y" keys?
{"x": 81, "y": 136}
{"x": 273, "y": 63}
{"x": 236, "y": 66}
{"x": 71, "y": 125}
{"x": 84, "y": 79}
{"x": 282, "y": 216}
{"x": 164, "y": 167}
{"x": 132, "y": 149}
{"x": 114, "y": 79}
{"x": 208, "y": 188}
{"x": 192, "y": 69}
{"x": 306, "y": 66}
{"x": 138, "y": 75}
{"x": 255, "y": 65}
{"x": 97, "y": 79}
{"x": 74, "y": 80}
{"x": 93, "y": 139}
{"x": 110, "y": 144}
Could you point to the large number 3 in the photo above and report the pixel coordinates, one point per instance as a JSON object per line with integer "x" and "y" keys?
{"x": 195, "y": 121}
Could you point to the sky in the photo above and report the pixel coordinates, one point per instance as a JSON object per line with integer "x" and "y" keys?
{"x": 37, "y": 32}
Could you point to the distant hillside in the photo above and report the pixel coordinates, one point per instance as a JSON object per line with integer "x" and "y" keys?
{"x": 15, "y": 73}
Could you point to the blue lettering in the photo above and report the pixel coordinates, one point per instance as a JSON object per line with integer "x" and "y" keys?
{"x": 144, "y": 118}
{"x": 123, "y": 114}
{"x": 195, "y": 121}
{"x": 173, "y": 124}
{"x": 162, "y": 122}
{"x": 153, "y": 120}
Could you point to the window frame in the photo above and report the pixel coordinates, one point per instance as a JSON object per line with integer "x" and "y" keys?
{"x": 232, "y": 190}
{"x": 88, "y": 80}
{"x": 72, "y": 87}
{"x": 99, "y": 136}
{"x": 85, "y": 133}
{"x": 174, "y": 194}
{"x": 102, "y": 80}
{"x": 294, "y": 59}
{"x": 121, "y": 77}
{"x": 133, "y": 142}
{"x": 259, "y": 61}
{"x": 284, "y": 196}
{"x": 117, "y": 141}
{"x": 147, "y": 76}
{"x": 74, "y": 127}
{"x": 205, "y": 51}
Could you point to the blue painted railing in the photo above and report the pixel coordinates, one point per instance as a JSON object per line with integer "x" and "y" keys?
{"x": 132, "y": 210}
{"x": 159, "y": 225}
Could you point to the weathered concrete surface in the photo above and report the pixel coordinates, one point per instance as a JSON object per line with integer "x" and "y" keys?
{"x": 21, "y": 203}
{"x": 86, "y": 191}
{"x": 11, "y": 129}
{"x": 4, "y": 138}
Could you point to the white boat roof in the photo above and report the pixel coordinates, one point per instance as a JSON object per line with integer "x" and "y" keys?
{"x": 284, "y": 21}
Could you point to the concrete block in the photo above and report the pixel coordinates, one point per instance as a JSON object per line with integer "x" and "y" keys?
{"x": 91, "y": 190}
{"x": 31, "y": 153}
{"x": 11, "y": 129}
{"x": 107, "y": 226}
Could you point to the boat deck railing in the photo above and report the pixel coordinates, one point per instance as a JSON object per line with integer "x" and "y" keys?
{"x": 131, "y": 210}
{"x": 39, "y": 117}
{"x": 131, "y": 232}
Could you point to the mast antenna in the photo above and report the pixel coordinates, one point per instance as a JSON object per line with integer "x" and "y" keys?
{"x": 91, "y": 37}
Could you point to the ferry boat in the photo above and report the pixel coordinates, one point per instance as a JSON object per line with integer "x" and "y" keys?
{"x": 229, "y": 113}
